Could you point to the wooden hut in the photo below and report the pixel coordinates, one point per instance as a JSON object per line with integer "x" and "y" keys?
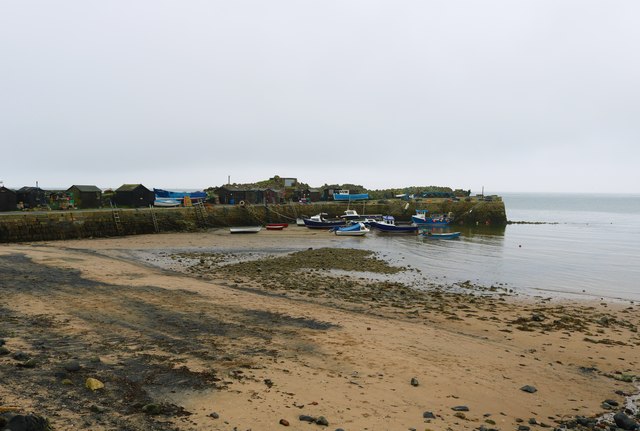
{"x": 8, "y": 199}
{"x": 238, "y": 195}
{"x": 31, "y": 197}
{"x": 86, "y": 196}
{"x": 231, "y": 194}
{"x": 133, "y": 195}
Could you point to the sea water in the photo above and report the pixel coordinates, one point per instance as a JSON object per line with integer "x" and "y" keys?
{"x": 572, "y": 244}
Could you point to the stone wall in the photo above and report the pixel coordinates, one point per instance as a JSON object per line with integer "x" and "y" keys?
{"x": 55, "y": 225}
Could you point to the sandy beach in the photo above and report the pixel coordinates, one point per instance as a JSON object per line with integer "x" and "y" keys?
{"x": 183, "y": 338}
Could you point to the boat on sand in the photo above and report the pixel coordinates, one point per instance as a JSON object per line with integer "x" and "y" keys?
{"x": 245, "y": 229}
{"x": 356, "y": 229}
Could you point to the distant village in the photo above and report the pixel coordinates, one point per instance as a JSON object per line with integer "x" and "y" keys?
{"x": 276, "y": 190}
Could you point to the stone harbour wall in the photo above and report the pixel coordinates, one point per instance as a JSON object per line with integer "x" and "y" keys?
{"x": 58, "y": 225}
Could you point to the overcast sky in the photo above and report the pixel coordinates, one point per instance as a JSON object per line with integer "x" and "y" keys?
{"x": 510, "y": 95}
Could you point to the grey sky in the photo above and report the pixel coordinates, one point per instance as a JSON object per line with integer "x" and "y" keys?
{"x": 510, "y": 95}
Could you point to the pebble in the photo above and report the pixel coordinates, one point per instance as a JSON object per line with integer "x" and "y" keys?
{"x": 307, "y": 418}
{"x": 322, "y": 421}
{"x": 72, "y": 367}
{"x": 414, "y": 381}
{"x": 284, "y": 422}
{"x": 428, "y": 415}
{"x": 460, "y": 409}
{"x": 152, "y": 409}
{"x": 528, "y": 388}
{"x": 4, "y": 351}
{"x": 625, "y": 422}
{"x": 215, "y": 415}
{"x": 21, "y": 356}
{"x": 28, "y": 423}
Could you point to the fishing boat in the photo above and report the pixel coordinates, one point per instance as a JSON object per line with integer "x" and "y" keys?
{"x": 345, "y": 195}
{"x": 422, "y": 217}
{"x": 353, "y": 215}
{"x": 440, "y": 235}
{"x": 388, "y": 224}
{"x": 356, "y": 229}
{"x": 319, "y": 222}
{"x": 245, "y": 229}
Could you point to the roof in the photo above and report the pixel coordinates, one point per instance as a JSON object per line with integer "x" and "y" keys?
{"x": 84, "y": 188}
{"x": 246, "y": 188}
{"x": 29, "y": 189}
{"x": 129, "y": 187}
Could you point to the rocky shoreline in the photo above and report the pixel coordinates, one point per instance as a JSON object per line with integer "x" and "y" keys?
{"x": 225, "y": 341}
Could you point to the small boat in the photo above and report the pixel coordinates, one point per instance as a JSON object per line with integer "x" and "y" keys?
{"x": 345, "y": 195}
{"x": 300, "y": 222}
{"x": 245, "y": 229}
{"x": 356, "y": 229}
{"x": 388, "y": 224}
{"x": 443, "y": 235}
{"x": 199, "y": 195}
{"x": 421, "y": 217}
{"x": 276, "y": 226}
{"x": 166, "y": 202}
{"x": 319, "y": 222}
{"x": 354, "y": 216}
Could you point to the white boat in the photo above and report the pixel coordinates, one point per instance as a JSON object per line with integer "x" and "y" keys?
{"x": 166, "y": 202}
{"x": 356, "y": 229}
{"x": 245, "y": 229}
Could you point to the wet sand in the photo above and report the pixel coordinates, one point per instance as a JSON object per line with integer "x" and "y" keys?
{"x": 187, "y": 338}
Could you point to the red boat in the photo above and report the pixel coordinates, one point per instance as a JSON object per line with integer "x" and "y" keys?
{"x": 276, "y": 226}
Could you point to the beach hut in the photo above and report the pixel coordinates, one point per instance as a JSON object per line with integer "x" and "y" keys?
{"x": 86, "y": 196}
{"x": 133, "y": 195}
{"x": 8, "y": 199}
{"x": 31, "y": 197}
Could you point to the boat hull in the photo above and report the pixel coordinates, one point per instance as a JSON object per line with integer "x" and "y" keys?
{"x": 326, "y": 224}
{"x": 430, "y": 221}
{"x": 384, "y": 227}
{"x": 358, "y": 229}
{"x": 245, "y": 229}
{"x": 447, "y": 235}
{"x": 350, "y": 197}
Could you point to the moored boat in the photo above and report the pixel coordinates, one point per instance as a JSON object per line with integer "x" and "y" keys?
{"x": 440, "y": 235}
{"x": 353, "y": 215}
{"x": 276, "y": 226}
{"x": 356, "y": 229}
{"x": 388, "y": 224}
{"x": 245, "y": 229}
{"x": 422, "y": 217}
{"x": 319, "y": 222}
{"x": 166, "y": 202}
{"x": 345, "y": 195}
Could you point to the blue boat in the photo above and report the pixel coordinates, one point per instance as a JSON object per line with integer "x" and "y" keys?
{"x": 444, "y": 235}
{"x": 179, "y": 195}
{"x": 356, "y": 229}
{"x": 166, "y": 202}
{"x": 319, "y": 222}
{"x": 344, "y": 195}
{"x": 423, "y": 218}
{"x": 388, "y": 224}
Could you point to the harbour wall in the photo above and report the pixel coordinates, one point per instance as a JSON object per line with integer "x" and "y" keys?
{"x": 59, "y": 225}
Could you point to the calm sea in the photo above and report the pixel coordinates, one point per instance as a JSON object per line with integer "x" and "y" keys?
{"x": 588, "y": 245}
